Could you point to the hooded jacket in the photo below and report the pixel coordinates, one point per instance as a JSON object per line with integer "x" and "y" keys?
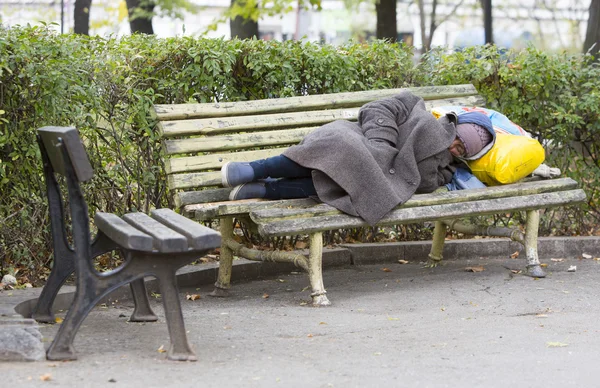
{"x": 367, "y": 168}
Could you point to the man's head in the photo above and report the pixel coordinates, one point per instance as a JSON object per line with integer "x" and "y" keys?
{"x": 471, "y": 136}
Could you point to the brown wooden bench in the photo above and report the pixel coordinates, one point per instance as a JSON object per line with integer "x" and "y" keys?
{"x": 199, "y": 138}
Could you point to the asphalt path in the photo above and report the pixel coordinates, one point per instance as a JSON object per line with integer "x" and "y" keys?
{"x": 390, "y": 325}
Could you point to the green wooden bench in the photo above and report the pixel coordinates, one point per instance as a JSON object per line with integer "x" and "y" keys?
{"x": 199, "y": 138}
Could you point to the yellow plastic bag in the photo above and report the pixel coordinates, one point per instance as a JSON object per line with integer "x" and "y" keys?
{"x": 511, "y": 158}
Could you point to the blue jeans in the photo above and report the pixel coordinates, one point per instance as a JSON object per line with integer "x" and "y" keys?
{"x": 291, "y": 180}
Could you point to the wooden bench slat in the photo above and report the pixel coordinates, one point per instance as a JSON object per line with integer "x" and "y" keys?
{"x": 198, "y": 179}
{"x": 425, "y": 213}
{"x": 165, "y": 239}
{"x": 185, "y": 198}
{"x": 226, "y": 143}
{"x": 239, "y": 141}
{"x": 123, "y": 233}
{"x": 516, "y": 189}
{"x": 217, "y": 160}
{"x": 303, "y": 103}
{"x": 198, "y": 236}
{"x": 224, "y": 125}
{"x": 209, "y": 204}
{"x": 231, "y": 208}
{"x": 219, "y": 126}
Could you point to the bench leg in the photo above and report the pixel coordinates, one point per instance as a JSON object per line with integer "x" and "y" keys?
{"x": 59, "y": 274}
{"x": 142, "y": 311}
{"x": 61, "y": 347}
{"x": 225, "y": 259}
{"x": 437, "y": 245}
{"x": 315, "y": 270}
{"x": 531, "y": 236}
{"x": 180, "y": 349}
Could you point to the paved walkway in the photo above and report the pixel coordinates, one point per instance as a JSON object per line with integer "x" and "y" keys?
{"x": 409, "y": 327}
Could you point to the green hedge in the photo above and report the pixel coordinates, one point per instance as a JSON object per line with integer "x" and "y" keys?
{"x": 105, "y": 88}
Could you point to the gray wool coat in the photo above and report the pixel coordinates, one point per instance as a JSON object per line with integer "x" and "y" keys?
{"x": 367, "y": 168}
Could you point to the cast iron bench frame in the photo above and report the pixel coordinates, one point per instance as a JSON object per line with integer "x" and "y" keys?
{"x": 154, "y": 246}
{"x": 199, "y": 138}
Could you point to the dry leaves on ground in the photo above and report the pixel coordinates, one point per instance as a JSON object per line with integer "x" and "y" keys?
{"x": 477, "y": 268}
{"x": 514, "y": 255}
{"x": 46, "y": 377}
{"x": 556, "y": 344}
{"x": 403, "y": 261}
{"x": 192, "y": 297}
{"x": 386, "y": 270}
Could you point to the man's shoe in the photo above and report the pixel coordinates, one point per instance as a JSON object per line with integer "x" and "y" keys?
{"x": 248, "y": 190}
{"x": 236, "y": 173}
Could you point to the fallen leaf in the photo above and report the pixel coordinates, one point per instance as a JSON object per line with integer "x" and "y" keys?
{"x": 572, "y": 268}
{"x": 266, "y": 296}
{"x": 46, "y": 377}
{"x": 515, "y": 271}
{"x": 597, "y": 258}
{"x": 161, "y": 349}
{"x": 586, "y": 256}
{"x": 514, "y": 255}
{"x": 386, "y": 270}
{"x": 281, "y": 280}
{"x": 322, "y": 323}
{"x": 309, "y": 335}
{"x": 303, "y": 303}
{"x": 478, "y": 268}
{"x": 556, "y": 344}
{"x": 443, "y": 308}
{"x": 557, "y": 260}
{"x": 393, "y": 319}
{"x": 192, "y": 297}
{"x": 58, "y": 320}
{"x": 403, "y": 261}
{"x": 541, "y": 315}
{"x": 377, "y": 354}
{"x": 226, "y": 327}
{"x": 306, "y": 288}
{"x": 543, "y": 265}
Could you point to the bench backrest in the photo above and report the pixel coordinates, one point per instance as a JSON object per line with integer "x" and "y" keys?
{"x": 54, "y": 139}
{"x": 199, "y": 138}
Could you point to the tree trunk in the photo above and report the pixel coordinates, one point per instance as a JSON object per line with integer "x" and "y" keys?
{"x": 592, "y": 35}
{"x": 81, "y": 17}
{"x": 424, "y": 38}
{"x": 140, "y": 23}
{"x": 242, "y": 28}
{"x": 387, "y": 27}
